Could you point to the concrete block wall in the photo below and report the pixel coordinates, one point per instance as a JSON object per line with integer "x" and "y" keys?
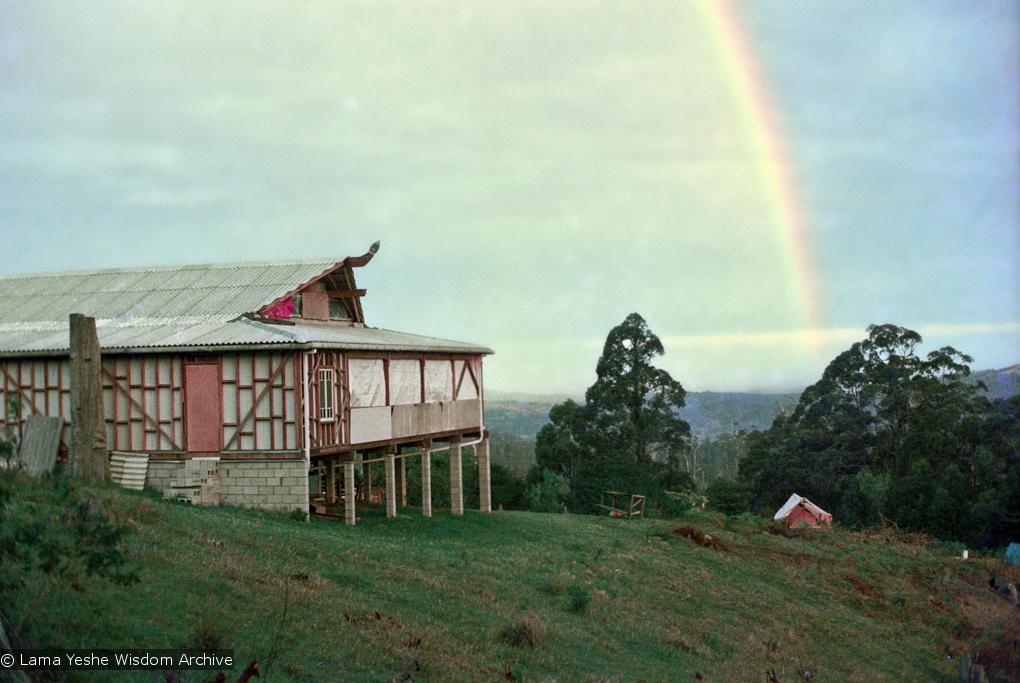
{"x": 162, "y": 472}
{"x": 279, "y": 485}
{"x": 269, "y": 484}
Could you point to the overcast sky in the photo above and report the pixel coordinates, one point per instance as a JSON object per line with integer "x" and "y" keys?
{"x": 536, "y": 171}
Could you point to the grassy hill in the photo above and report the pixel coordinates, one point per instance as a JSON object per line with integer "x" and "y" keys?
{"x": 458, "y": 599}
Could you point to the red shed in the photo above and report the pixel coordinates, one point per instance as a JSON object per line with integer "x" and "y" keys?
{"x": 798, "y": 511}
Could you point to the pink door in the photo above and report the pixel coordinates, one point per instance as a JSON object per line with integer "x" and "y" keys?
{"x": 203, "y": 407}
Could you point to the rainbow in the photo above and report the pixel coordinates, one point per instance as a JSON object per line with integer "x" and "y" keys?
{"x": 772, "y": 159}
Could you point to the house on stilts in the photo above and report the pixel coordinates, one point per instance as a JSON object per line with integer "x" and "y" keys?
{"x": 267, "y": 373}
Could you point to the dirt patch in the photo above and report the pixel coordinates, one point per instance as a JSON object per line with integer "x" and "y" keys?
{"x": 693, "y": 533}
{"x": 862, "y": 587}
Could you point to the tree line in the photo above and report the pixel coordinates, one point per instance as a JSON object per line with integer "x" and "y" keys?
{"x": 887, "y": 436}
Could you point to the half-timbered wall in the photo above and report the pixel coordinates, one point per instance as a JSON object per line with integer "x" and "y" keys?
{"x": 261, "y": 411}
{"x": 142, "y": 397}
{"x": 398, "y": 395}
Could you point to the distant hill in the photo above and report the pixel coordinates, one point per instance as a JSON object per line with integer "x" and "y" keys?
{"x": 1001, "y": 383}
{"x": 710, "y": 413}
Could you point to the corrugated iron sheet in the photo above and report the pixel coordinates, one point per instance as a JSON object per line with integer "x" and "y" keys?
{"x": 186, "y": 307}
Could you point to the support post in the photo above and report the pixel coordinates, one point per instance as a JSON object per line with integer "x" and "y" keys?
{"x": 88, "y": 424}
{"x": 401, "y": 483}
{"x": 426, "y": 482}
{"x": 366, "y": 477}
{"x": 329, "y": 471}
{"x": 484, "y": 477}
{"x": 349, "y": 503}
{"x": 391, "y": 486}
{"x": 456, "y": 478}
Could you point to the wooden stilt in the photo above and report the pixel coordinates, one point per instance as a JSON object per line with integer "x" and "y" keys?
{"x": 349, "y": 504}
{"x": 329, "y": 471}
{"x": 366, "y": 477}
{"x": 402, "y": 486}
{"x": 484, "y": 477}
{"x": 456, "y": 478}
{"x": 391, "y": 486}
{"x": 426, "y": 483}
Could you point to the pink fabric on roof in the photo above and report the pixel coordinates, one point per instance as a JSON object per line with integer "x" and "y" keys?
{"x": 281, "y": 309}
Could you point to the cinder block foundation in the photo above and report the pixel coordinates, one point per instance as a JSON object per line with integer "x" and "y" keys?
{"x": 280, "y": 485}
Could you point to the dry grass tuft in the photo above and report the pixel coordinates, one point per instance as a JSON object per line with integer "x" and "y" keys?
{"x": 525, "y": 633}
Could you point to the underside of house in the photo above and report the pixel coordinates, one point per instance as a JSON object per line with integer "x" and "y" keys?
{"x": 265, "y": 374}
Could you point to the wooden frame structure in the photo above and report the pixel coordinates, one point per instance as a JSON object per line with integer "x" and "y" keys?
{"x": 635, "y": 506}
{"x": 253, "y": 338}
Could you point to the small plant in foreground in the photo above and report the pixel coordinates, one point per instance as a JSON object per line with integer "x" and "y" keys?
{"x": 207, "y": 634}
{"x": 525, "y": 633}
{"x": 580, "y": 598}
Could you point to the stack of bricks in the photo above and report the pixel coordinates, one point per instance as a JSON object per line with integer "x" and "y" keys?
{"x": 199, "y": 483}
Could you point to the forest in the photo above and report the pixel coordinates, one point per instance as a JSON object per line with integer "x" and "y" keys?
{"x": 887, "y": 436}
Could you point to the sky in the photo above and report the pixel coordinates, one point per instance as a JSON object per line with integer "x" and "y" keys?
{"x": 760, "y": 180}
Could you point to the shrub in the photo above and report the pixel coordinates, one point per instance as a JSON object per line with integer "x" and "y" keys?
{"x": 545, "y": 495}
{"x": 728, "y": 496}
{"x": 526, "y": 632}
{"x": 579, "y": 597}
{"x": 206, "y": 635}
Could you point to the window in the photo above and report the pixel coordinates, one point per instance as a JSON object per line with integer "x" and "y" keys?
{"x": 337, "y": 310}
{"x": 297, "y": 304}
{"x": 327, "y": 395}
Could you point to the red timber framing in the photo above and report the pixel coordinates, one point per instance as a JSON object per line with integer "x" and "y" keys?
{"x": 329, "y": 437}
{"x": 141, "y": 396}
{"x": 336, "y": 431}
{"x": 40, "y": 387}
{"x": 261, "y": 407}
{"x": 144, "y": 402}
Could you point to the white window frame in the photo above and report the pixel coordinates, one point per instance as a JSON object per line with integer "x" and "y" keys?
{"x": 327, "y": 413}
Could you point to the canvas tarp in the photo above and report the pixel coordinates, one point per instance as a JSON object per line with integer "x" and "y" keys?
{"x": 405, "y": 382}
{"x": 368, "y": 382}
{"x": 438, "y": 380}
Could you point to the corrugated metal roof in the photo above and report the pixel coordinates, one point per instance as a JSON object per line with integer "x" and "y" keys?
{"x": 223, "y": 290}
{"x": 188, "y": 307}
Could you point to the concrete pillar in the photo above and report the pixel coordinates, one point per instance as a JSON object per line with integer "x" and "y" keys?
{"x": 484, "y": 477}
{"x": 402, "y": 483}
{"x": 391, "y": 486}
{"x": 426, "y": 483}
{"x": 349, "y": 510}
{"x": 456, "y": 479}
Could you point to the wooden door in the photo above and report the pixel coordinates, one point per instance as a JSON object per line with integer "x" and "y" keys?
{"x": 203, "y": 407}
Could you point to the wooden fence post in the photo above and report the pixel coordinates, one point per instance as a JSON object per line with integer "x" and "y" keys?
{"x": 88, "y": 424}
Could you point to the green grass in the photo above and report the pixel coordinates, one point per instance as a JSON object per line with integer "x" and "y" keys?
{"x": 436, "y": 598}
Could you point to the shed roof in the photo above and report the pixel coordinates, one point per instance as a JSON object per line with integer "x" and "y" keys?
{"x": 186, "y": 307}
{"x": 795, "y": 500}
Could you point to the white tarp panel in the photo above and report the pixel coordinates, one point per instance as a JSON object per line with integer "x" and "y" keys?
{"x": 405, "y": 382}
{"x": 371, "y": 424}
{"x": 368, "y": 382}
{"x": 438, "y": 380}
{"x": 467, "y": 384}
